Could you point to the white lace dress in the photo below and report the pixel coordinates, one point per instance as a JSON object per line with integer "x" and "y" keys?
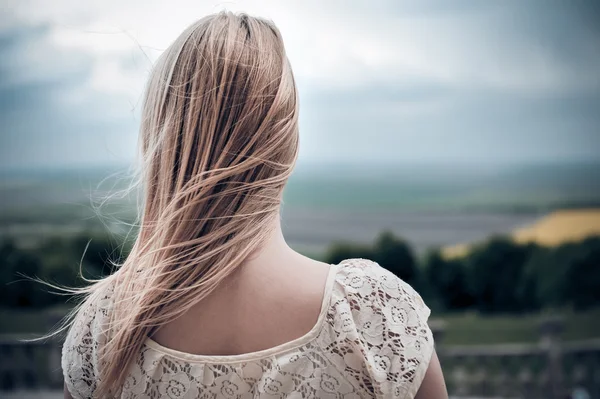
{"x": 371, "y": 340}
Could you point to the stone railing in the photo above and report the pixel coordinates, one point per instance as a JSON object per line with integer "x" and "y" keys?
{"x": 28, "y": 365}
{"x": 549, "y": 369}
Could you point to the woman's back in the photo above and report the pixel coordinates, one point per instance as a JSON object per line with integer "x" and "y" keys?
{"x": 269, "y": 300}
{"x": 210, "y": 301}
{"x": 369, "y": 339}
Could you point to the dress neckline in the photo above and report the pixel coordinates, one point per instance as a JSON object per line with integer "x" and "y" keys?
{"x": 261, "y": 354}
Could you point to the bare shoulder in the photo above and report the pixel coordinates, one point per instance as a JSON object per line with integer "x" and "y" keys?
{"x": 286, "y": 296}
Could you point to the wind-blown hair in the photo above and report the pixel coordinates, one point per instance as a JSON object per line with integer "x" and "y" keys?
{"x": 218, "y": 140}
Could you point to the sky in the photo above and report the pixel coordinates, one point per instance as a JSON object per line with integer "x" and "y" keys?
{"x": 469, "y": 82}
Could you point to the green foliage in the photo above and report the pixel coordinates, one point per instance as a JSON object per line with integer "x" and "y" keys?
{"x": 60, "y": 261}
{"x": 544, "y": 274}
{"x": 499, "y": 276}
{"x": 447, "y": 283}
{"x": 388, "y": 250}
{"x": 567, "y": 275}
{"x": 583, "y": 275}
{"x": 495, "y": 275}
{"x": 396, "y": 256}
{"x": 343, "y": 250}
{"x": 16, "y": 290}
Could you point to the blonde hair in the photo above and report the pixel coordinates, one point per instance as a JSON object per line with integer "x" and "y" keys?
{"x": 219, "y": 139}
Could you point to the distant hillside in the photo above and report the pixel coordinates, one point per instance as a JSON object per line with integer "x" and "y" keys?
{"x": 554, "y": 229}
{"x": 535, "y": 188}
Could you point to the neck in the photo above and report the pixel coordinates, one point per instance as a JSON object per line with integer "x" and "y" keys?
{"x": 274, "y": 249}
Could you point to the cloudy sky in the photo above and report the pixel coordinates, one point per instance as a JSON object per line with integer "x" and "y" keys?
{"x": 470, "y": 82}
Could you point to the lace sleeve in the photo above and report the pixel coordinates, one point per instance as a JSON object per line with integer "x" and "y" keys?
{"x": 391, "y": 319}
{"x": 406, "y": 314}
{"x": 80, "y": 349}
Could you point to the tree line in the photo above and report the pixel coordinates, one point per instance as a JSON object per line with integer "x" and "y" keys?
{"x": 497, "y": 276}
{"x": 58, "y": 260}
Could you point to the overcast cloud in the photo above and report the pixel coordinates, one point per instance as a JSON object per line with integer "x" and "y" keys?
{"x": 379, "y": 81}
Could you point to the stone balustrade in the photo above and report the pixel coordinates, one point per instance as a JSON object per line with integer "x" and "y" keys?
{"x": 549, "y": 368}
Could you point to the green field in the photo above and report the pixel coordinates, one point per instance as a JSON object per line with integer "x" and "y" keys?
{"x": 473, "y": 329}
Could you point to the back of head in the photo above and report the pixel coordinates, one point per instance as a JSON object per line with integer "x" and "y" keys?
{"x": 218, "y": 141}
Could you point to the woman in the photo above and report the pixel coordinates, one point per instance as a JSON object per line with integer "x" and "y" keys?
{"x": 211, "y": 302}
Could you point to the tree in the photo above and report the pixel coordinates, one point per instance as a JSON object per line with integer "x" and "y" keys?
{"x": 396, "y": 256}
{"x": 16, "y": 290}
{"x": 543, "y": 273}
{"x": 344, "y": 250}
{"x": 495, "y": 272}
{"x": 56, "y": 260}
{"x": 447, "y": 282}
{"x": 582, "y": 276}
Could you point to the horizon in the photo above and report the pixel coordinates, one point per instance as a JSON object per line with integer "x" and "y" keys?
{"x": 310, "y": 165}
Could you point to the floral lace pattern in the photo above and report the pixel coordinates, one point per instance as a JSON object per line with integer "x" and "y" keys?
{"x": 371, "y": 341}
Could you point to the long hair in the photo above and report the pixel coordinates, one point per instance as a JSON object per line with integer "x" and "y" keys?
{"x": 218, "y": 141}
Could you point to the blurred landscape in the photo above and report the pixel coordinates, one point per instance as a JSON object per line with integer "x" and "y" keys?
{"x": 504, "y": 256}
{"x": 428, "y": 205}
{"x": 454, "y": 143}
{"x": 49, "y": 217}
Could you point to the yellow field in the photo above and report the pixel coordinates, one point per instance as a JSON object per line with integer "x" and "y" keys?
{"x": 554, "y": 229}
